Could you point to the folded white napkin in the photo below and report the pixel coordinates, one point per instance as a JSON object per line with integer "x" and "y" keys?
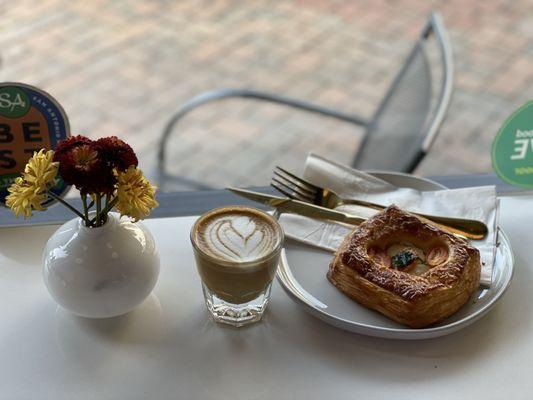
{"x": 478, "y": 203}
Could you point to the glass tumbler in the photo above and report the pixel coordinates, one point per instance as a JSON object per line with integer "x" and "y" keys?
{"x": 237, "y": 292}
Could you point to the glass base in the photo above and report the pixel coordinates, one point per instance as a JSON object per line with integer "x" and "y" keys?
{"x": 236, "y": 314}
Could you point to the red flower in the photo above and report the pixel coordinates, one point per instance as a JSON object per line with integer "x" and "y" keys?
{"x": 66, "y": 145}
{"x": 117, "y": 153}
{"x": 81, "y": 165}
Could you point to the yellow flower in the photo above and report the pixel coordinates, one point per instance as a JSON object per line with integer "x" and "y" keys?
{"x": 135, "y": 194}
{"x": 41, "y": 170}
{"x": 27, "y": 193}
{"x": 24, "y": 198}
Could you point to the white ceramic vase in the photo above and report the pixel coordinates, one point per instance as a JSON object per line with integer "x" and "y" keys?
{"x": 100, "y": 272}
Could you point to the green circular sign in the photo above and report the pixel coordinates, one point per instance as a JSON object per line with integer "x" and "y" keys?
{"x": 512, "y": 149}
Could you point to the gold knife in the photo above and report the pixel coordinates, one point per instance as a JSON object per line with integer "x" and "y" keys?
{"x": 283, "y": 204}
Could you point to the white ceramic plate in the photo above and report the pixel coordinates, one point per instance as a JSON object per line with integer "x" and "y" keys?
{"x": 302, "y": 274}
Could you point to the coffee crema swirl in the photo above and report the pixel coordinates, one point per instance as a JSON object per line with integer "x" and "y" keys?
{"x": 237, "y": 235}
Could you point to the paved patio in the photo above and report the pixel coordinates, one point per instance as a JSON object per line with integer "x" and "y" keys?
{"x": 123, "y": 67}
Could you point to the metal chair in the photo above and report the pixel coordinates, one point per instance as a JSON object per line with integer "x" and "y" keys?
{"x": 400, "y": 132}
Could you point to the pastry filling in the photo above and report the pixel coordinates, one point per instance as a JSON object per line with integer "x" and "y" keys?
{"x": 408, "y": 257}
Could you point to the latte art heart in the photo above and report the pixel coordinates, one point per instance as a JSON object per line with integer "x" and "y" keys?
{"x": 238, "y": 236}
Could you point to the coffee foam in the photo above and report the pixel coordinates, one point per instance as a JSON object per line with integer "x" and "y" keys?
{"x": 234, "y": 234}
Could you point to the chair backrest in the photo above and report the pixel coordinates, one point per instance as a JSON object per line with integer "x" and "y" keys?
{"x": 408, "y": 119}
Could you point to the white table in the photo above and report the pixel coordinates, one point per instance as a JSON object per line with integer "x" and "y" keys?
{"x": 168, "y": 348}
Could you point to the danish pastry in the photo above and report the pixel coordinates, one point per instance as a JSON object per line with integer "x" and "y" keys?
{"x": 406, "y": 268}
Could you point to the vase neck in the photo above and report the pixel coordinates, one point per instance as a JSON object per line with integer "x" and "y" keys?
{"x": 111, "y": 221}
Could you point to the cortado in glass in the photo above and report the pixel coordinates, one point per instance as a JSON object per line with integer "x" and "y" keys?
{"x": 237, "y": 253}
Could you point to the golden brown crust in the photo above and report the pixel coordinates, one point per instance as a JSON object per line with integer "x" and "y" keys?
{"x": 416, "y": 301}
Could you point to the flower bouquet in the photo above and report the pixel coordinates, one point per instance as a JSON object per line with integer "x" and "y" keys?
{"x": 96, "y": 265}
{"x": 104, "y": 171}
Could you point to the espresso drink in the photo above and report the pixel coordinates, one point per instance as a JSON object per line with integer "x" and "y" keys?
{"x": 237, "y": 252}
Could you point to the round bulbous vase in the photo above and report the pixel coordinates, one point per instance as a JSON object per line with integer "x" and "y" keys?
{"x": 100, "y": 272}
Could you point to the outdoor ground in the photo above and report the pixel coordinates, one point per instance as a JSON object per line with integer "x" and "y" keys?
{"x": 123, "y": 67}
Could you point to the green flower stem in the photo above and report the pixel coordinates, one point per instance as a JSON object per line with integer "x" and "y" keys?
{"x": 112, "y": 204}
{"x": 56, "y": 197}
{"x": 103, "y": 213}
{"x": 98, "y": 209}
{"x": 85, "y": 208}
{"x": 108, "y": 206}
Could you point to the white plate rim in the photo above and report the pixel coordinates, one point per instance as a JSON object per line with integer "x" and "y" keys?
{"x": 301, "y": 297}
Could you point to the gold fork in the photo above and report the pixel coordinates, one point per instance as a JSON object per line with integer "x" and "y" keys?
{"x": 297, "y": 188}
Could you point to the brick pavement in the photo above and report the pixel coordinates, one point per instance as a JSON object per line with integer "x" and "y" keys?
{"x": 124, "y": 67}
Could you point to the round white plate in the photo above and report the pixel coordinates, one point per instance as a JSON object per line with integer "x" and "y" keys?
{"x": 302, "y": 274}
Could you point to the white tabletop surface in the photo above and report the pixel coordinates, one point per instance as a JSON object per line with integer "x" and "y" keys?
{"x": 168, "y": 348}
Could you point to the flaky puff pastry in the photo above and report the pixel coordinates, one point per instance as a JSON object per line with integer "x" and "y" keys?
{"x": 413, "y": 300}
